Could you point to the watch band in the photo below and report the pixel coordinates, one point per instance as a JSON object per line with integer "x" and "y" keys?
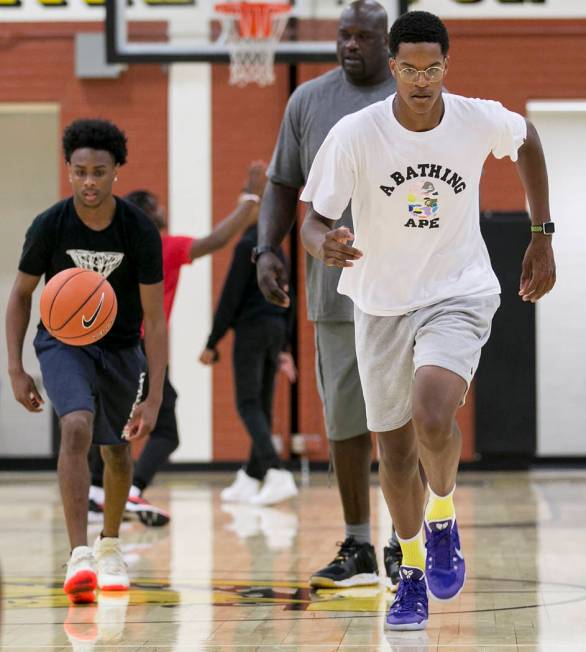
{"x": 547, "y": 228}
{"x": 249, "y": 196}
{"x": 259, "y": 251}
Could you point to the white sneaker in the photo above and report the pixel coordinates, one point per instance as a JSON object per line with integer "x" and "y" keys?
{"x": 278, "y": 485}
{"x": 242, "y": 489}
{"x": 81, "y": 579}
{"x": 112, "y": 571}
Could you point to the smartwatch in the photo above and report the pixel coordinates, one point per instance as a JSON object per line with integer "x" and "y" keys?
{"x": 259, "y": 251}
{"x": 547, "y": 228}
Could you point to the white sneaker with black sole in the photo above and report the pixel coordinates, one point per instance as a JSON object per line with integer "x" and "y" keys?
{"x": 147, "y": 513}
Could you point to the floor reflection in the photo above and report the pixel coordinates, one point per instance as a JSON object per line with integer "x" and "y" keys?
{"x": 235, "y": 576}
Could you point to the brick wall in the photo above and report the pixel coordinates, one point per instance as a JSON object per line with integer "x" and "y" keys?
{"x": 513, "y": 61}
{"x": 38, "y": 66}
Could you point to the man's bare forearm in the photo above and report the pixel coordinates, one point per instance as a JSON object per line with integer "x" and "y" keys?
{"x": 533, "y": 172}
{"x": 238, "y": 219}
{"x": 278, "y": 212}
{"x": 18, "y": 314}
{"x": 155, "y": 346}
{"x": 313, "y": 232}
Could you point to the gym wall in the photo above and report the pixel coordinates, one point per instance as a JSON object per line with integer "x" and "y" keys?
{"x": 513, "y": 61}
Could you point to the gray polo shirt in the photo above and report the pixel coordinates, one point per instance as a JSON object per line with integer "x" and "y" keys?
{"x": 313, "y": 109}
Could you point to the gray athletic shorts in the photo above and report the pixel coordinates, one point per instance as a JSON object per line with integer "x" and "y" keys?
{"x": 338, "y": 380}
{"x": 449, "y": 334}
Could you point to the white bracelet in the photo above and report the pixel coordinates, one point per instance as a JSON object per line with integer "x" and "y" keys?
{"x": 249, "y": 196}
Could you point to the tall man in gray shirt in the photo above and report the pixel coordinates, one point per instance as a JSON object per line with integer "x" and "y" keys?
{"x": 313, "y": 109}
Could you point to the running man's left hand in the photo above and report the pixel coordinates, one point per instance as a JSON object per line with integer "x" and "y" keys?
{"x": 142, "y": 421}
{"x": 538, "y": 272}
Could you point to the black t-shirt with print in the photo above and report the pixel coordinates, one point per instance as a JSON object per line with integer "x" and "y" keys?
{"x": 58, "y": 236}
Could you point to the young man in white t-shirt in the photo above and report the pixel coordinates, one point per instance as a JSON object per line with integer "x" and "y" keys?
{"x": 420, "y": 278}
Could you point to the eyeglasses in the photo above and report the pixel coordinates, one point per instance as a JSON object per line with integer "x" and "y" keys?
{"x": 433, "y": 74}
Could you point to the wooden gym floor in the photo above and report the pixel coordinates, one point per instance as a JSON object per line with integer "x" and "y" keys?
{"x": 234, "y": 578}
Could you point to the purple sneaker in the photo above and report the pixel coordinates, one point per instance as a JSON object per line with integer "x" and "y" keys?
{"x": 409, "y": 609}
{"x": 446, "y": 570}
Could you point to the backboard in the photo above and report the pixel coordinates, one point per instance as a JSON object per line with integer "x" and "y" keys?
{"x": 167, "y": 31}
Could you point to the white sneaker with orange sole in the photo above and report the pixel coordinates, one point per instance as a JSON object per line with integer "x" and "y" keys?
{"x": 112, "y": 571}
{"x": 81, "y": 578}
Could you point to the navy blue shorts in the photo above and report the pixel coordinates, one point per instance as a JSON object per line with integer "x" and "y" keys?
{"x": 107, "y": 383}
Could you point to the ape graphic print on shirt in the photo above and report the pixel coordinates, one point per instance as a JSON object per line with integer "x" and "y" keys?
{"x": 423, "y": 194}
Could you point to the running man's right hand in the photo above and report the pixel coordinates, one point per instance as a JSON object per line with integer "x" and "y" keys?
{"x": 26, "y": 392}
{"x": 273, "y": 279}
{"x": 335, "y": 252}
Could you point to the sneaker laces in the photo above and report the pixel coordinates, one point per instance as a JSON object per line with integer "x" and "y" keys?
{"x": 347, "y": 549}
{"x": 441, "y": 547}
{"x": 408, "y": 595}
{"x": 87, "y": 556}
{"x": 111, "y": 561}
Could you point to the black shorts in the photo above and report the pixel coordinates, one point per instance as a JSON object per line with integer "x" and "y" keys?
{"x": 107, "y": 383}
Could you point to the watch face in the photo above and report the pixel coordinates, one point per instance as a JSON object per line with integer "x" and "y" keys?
{"x": 549, "y": 228}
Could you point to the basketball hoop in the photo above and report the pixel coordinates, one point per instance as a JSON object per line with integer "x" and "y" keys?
{"x": 252, "y": 31}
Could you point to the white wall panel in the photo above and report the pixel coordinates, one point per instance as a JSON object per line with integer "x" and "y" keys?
{"x": 190, "y": 214}
{"x": 561, "y": 315}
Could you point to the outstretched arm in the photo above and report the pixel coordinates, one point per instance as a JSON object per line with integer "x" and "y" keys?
{"x": 538, "y": 273}
{"x": 327, "y": 244}
{"x": 245, "y": 214}
{"x": 278, "y": 212}
{"x": 18, "y": 314}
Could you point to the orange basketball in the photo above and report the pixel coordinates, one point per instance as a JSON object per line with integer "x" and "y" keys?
{"x": 78, "y": 306}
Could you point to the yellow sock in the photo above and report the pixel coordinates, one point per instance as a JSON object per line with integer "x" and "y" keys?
{"x": 413, "y": 551}
{"x": 440, "y": 508}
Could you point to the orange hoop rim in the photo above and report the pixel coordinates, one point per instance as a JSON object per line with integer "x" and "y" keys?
{"x": 255, "y": 18}
{"x": 244, "y": 7}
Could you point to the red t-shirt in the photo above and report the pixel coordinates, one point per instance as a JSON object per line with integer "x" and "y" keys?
{"x": 175, "y": 254}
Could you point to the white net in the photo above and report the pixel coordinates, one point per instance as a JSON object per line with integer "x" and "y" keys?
{"x": 103, "y": 262}
{"x": 252, "y": 62}
{"x": 252, "y": 38}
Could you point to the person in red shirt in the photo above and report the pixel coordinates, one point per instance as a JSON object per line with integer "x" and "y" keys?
{"x": 178, "y": 250}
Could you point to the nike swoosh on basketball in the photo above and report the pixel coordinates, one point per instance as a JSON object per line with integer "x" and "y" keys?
{"x": 88, "y": 323}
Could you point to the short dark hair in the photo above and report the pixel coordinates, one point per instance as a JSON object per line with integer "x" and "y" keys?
{"x": 148, "y": 203}
{"x": 418, "y": 27}
{"x": 95, "y": 134}
{"x": 144, "y": 199}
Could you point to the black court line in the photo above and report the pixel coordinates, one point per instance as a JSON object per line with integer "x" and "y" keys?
{"x": 343, "y": 615}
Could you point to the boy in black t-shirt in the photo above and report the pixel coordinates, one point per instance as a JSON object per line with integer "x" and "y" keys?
{"x": 96, "y": 390}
